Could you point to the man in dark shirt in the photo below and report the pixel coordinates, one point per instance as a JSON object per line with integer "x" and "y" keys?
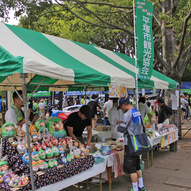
{"x": 165, "y": 112}
{"x": 77, "y": 122}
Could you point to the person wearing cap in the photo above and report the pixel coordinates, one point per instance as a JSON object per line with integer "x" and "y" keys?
{"x": 165, "y": 112}
{"x": 131, "y": 125}
{"x": 77, "y": 122}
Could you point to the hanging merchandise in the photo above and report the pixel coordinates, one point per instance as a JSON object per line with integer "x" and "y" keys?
{"x": 55, "y": 127}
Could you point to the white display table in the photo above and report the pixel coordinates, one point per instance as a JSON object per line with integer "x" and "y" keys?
{"x": 95, "y": 170}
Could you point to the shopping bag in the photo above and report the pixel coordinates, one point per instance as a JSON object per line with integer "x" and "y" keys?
{"x": 138, "y": 144}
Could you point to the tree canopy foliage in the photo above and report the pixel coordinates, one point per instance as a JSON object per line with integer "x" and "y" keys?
{"x": 109, "y": 24}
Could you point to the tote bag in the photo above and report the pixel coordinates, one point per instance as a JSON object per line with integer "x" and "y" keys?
{"x": 138, "y": 144}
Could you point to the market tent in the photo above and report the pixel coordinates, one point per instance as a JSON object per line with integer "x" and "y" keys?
{"x": 62, "y": 65}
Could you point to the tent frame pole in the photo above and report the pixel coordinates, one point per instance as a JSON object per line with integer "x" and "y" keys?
{"x": 37, "y": 88}
{"x": 135, "y": 45}
{"x": 27, "y": 129}
{"x": 24, "y": 99}
{"x": 14, "y": 88}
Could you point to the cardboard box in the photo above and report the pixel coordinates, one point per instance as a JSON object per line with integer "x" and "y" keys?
{"x": 101, "y": 128}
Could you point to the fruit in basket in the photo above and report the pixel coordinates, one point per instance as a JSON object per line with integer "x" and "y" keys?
{"x": 55, "y": 127}
{"x": 40, "y": 125}
{"x": 8, "y": 130}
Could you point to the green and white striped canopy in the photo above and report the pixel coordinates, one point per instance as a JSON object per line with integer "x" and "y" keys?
{"x": 64, "y": 64}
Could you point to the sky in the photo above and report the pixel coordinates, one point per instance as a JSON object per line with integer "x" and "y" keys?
{"x": 12, "y": 20}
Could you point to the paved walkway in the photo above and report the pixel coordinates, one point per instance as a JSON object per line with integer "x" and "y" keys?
{"x": 171, "y": 171}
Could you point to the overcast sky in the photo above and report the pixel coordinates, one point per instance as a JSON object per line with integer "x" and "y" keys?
{"x": 12, "y": 20}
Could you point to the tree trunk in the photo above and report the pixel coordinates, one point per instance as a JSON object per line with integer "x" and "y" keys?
{"x": 168, "y": 48}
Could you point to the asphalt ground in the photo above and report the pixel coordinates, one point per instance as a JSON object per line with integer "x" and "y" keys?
{"x": 171, "y": 171}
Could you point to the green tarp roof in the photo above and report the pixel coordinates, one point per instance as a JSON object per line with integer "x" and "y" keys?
{"x": 67, "y": 65}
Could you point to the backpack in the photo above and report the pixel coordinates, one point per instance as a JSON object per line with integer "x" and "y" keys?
{"x": 92, "y": 105}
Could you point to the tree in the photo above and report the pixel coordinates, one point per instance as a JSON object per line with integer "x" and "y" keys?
{"x": 171, "y": 26}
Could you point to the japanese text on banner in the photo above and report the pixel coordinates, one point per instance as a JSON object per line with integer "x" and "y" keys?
{"x": 145, "y": 45}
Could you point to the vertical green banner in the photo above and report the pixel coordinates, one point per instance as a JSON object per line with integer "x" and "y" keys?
{"x": 145, "y": 44}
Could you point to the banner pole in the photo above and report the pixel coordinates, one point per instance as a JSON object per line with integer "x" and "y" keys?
{"x": 135, "y": 45}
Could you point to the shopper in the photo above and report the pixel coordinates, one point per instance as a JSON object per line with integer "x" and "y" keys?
{"x": 183, "y": 105}
{"x": 41, "y": 109}
{"x": 165, "y": 112}
{"x": 82, "y": 101}
{"x": 115, "y": 118}
{"x": 156, "y": 110}
{"x": 93, "y": 104}
{"x": 132, "y": 125}
{"x": 187, "y": 113}
{"x": 106, "y": 107}
{"x": 1, "y": 104}
{"x": 77, "y": 122}
{"x": 144, "y": 109}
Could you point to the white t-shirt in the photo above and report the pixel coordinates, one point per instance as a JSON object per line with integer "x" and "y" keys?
{"x": 114, "y": 116}
{"x": 183, "y": 101}
{"x": 143, "y": 108}
{"x": 108, "y": 105}
{"x": 41, "y": 105}
{"x": 11, "y": 117}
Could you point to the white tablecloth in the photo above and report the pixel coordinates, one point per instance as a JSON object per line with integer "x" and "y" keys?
{"x": 95, "y": 170}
